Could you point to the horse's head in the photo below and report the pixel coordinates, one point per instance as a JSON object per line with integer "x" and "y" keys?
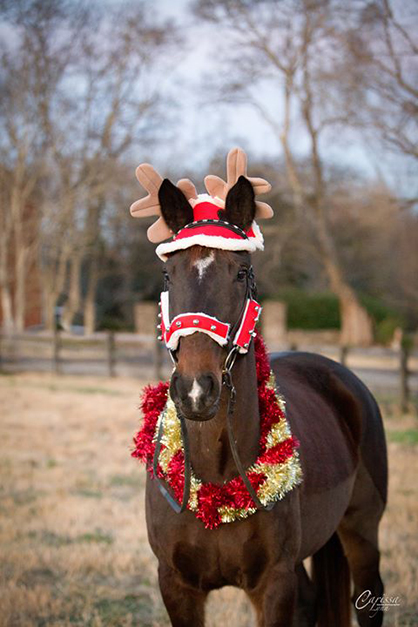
{"x": 210, "y": 281}
{"x": 208, "y": 276}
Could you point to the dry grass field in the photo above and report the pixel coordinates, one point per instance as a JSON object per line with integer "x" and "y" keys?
{"x": 73, "y": 541}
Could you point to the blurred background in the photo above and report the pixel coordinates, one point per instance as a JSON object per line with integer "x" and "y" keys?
{"x": 323, "y": 96}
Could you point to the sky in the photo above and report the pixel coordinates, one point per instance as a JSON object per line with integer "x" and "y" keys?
{"x": 199, "y": 128}
{"x": 205, "y": 130}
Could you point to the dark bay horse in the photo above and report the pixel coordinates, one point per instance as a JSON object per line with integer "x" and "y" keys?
{"x": 333, "y": 516}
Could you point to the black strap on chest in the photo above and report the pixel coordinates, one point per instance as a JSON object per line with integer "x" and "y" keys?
{"x": 228, "y": 383}
{"x": 178, "y": 508}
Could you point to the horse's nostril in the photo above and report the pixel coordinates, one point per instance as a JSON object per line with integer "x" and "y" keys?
{"x": 177, "y": 388}
{"x": 207, "y": 383}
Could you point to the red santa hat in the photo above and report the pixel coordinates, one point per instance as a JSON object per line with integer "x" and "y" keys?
{"x": 207, "y": 227}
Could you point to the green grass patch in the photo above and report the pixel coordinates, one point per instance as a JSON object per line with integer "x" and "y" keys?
{"x": 56, "y": 540}
{"x": 25, "y": 497}
{"x": 408, "y": 436}
{"x": 310, "y": 311}
{"x": 125, "y": 480}
{"x": 113, "y": 611}
{"x": 96, "y": 537}
{"x": 89, "y": 494}
{"x": 37, "y": 576}
{"x": 50, "y": 538}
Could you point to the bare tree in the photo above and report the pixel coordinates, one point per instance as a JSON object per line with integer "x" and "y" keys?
{"x": 384, "y": 45}
{"x": 32, "y": 64}
{"x": 22, "y": 162}
{"x": 80, "y": 94}
{"x": 116, "y": 108}
{"x": 296, "y": 46}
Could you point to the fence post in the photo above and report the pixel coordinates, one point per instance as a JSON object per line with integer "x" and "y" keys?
{"x": 404, "y": 374}
{"x": 57, "y": 348}
{"x": 343, "y": 355}
{"x": 158, "y": 359}
{"x": 111, "y": 354}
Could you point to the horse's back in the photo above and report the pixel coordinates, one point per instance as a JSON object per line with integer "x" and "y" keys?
{"x": 342, "y": 444}
{"x": 335, "y": 417}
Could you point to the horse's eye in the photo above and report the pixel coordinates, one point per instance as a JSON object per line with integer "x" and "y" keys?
{"x": 242, "y": 274}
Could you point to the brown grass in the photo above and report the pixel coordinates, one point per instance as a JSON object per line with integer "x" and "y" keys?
{"x": 73, "y": 541}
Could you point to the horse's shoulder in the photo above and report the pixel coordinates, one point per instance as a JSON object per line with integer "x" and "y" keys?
{"x": 322, "y": 377}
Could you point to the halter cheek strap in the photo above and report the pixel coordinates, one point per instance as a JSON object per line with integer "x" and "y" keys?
{"x": 191, "y": 322}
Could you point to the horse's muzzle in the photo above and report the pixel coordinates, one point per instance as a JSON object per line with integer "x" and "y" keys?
{"x": 197, "y": 398}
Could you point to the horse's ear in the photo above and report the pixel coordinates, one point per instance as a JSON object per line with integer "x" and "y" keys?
{"x": 175, "y": 208}
{"x": 240, "y": 204}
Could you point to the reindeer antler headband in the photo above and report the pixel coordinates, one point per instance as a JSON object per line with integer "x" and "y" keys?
{"x": 202, "y": 212}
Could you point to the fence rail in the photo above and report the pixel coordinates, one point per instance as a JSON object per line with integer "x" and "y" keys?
{"x": 127, "y": 354}
{"x": 111, "y": 354}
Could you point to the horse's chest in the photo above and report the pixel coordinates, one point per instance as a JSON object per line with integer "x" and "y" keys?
{"x": 220, "y": 559}
{"x": 236, "y": 554}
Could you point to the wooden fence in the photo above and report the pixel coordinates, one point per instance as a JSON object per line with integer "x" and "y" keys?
{"x": 144, "y": 357}
{"x": 111, "y": 354}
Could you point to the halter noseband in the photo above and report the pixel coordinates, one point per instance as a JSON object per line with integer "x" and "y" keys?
{"x": 238, "y": 337}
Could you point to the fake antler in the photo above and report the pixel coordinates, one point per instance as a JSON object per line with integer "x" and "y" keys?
{"x": 150, "y": 205}
{"x": 236, "y": 166}
{"x": 151, "y": 181}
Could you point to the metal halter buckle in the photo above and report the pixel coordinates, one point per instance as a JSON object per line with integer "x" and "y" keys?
{"x": 230, "y": 360}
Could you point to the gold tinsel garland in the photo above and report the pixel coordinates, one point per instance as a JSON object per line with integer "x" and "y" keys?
{"x": 280, "y": 477}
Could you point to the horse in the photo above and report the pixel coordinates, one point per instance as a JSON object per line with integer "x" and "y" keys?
{"x": 332, "y": 516}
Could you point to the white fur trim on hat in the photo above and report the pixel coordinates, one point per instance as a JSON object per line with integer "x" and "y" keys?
{"x": 213, "y": 241}
{"x": 214, "y": 200}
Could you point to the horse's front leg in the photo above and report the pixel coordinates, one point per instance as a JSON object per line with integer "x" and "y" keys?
{"x": 185, "y": 605}
{"x": 275, "y": 598}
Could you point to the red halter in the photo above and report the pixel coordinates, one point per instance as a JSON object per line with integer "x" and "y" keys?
{"x": 191, "y": 322}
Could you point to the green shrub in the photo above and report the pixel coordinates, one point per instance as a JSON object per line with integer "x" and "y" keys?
{"x": 320, "y": 310}
{"x": 386, "y": 328}
{"x": 378, "y": 310}
{"x": 112, "y": 323}
{"x": 310, "y": 310}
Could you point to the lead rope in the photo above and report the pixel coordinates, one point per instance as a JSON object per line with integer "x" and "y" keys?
{"x": 228, "y": 383}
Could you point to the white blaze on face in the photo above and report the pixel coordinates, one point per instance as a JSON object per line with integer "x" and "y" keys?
{"x": 195, "y": 393}
{"x": 201, "y": 265}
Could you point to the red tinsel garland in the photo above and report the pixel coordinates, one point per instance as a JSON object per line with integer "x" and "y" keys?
{"x": 211, "y": 496}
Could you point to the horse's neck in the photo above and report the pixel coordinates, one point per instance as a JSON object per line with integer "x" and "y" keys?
{"x": 210, "y": 452}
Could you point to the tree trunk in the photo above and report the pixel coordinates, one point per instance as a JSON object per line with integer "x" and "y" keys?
{"x": 50, "y": 299}
{"x": 356, "y": 324}
{"x": 53, "y": 278}
{"x": 7, "y": 309}
{"x": 90, "y": 299}
{"x": 6, "y": 294}
{"x": 74, "y": 296}
{"x": 20, "y": 285}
